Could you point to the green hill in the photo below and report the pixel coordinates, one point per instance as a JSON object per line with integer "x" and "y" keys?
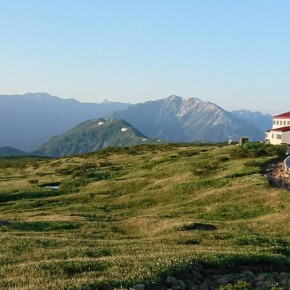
{"x": 93, "y": 135}
{"x": 127, "y": 215}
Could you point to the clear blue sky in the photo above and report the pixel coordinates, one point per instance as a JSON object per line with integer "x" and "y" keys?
{"x": 235, "y": 53}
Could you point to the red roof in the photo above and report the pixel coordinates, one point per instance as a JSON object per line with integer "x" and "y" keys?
{"x": 282, "y": 129}
{"x": 283, "y": 116}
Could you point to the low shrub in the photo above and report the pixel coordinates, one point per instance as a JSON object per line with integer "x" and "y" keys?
{"x": 252, "y": 149}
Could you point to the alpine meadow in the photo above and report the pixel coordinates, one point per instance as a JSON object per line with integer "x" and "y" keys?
{"x": 121, "y": 216}
{"x": 144, "y": 145}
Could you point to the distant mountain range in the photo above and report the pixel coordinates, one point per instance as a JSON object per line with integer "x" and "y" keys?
{"x": 184, "y": 120}
{"x": 93, "y": 135}
{"x": 258, "y": 119}
{"x": 28, "y": 121}
{"x": 9, "y": 151}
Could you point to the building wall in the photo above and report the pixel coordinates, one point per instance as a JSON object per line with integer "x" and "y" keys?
{"x": 286, "y": 137}
{"x": 273, "y": 137}
{"x": 277, "y": 123}
{"x": 276, "y": 137}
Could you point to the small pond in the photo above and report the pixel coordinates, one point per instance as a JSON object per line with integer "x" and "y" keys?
{"x": 52, "y": 185}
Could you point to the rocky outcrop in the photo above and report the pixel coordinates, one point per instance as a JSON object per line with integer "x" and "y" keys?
{"x": 278, "y": 175}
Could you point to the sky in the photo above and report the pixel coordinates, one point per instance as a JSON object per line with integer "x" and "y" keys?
{"x": 234, "y": 53}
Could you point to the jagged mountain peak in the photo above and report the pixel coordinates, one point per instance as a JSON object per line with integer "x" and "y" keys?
{"x": 173, "y": 98}
{"x": 187, "y": 119}
{"x": 189, "y": 103}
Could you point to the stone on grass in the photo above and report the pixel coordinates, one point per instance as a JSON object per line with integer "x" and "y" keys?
{"x": 171, "y": 281}
{"x": 139, "y": 287}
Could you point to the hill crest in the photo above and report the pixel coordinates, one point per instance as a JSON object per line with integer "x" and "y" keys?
{"x": 93, "y": 135}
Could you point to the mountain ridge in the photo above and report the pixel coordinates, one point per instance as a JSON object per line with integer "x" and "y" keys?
{"x": 6, "y": 151}
{"x": 187, "y": 119}
{"x": 262, "y": 121}
{"x": 29, "y": 120}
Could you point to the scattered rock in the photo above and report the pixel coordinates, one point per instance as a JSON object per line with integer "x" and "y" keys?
{"x": 248, "y": 273}
{"x": 139, "y": 287}
{"x": 105, "y": 286}
{"x": 261, "y": 277}
{"x": 203, "y": 286}
{"x": 278, "y": 176}
{"x": 182, "y": 284}
{"x": 283, "y": 276}
{"x": 197, "y": 279}
{"x": 259, "y": 284}
{"x": 224, "y": 280}
{"x": 197, "y": 275}
{"x": 172, "y": 281}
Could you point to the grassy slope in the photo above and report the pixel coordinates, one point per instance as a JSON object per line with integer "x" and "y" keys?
{"x": 93, "y": 135}
{"x": 119, "y": 215}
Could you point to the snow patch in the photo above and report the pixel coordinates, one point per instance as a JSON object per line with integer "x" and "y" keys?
{"x": 100, "y": 123}
{"x": 124, "y": 129}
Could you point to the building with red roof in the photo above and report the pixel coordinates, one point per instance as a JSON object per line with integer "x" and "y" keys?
{"x": 281, "y": 120}
{"x": 280, "y": 132}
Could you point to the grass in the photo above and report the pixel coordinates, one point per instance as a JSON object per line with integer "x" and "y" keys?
{"x": 128, "y": 215}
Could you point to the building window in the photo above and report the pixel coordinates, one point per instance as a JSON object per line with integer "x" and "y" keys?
{"x": 278, "y": 136}
{"x": 272, "y": 136}
{"x": 284, "y": 123}
{"x": 280, "y": 122}
{"x": 288, "y": 123}
{"x": 274, "y": 122}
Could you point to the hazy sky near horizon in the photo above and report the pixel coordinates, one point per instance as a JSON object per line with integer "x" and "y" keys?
{"x": 233, "y": 53}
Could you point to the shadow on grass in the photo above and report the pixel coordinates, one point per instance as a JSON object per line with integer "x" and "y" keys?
{"x": 7, "y": 197}
{"x": 197, "y": 226}
{"x": 43, "y": 226}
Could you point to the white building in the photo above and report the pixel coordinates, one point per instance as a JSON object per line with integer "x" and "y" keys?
{"x": 280, "y": 132}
